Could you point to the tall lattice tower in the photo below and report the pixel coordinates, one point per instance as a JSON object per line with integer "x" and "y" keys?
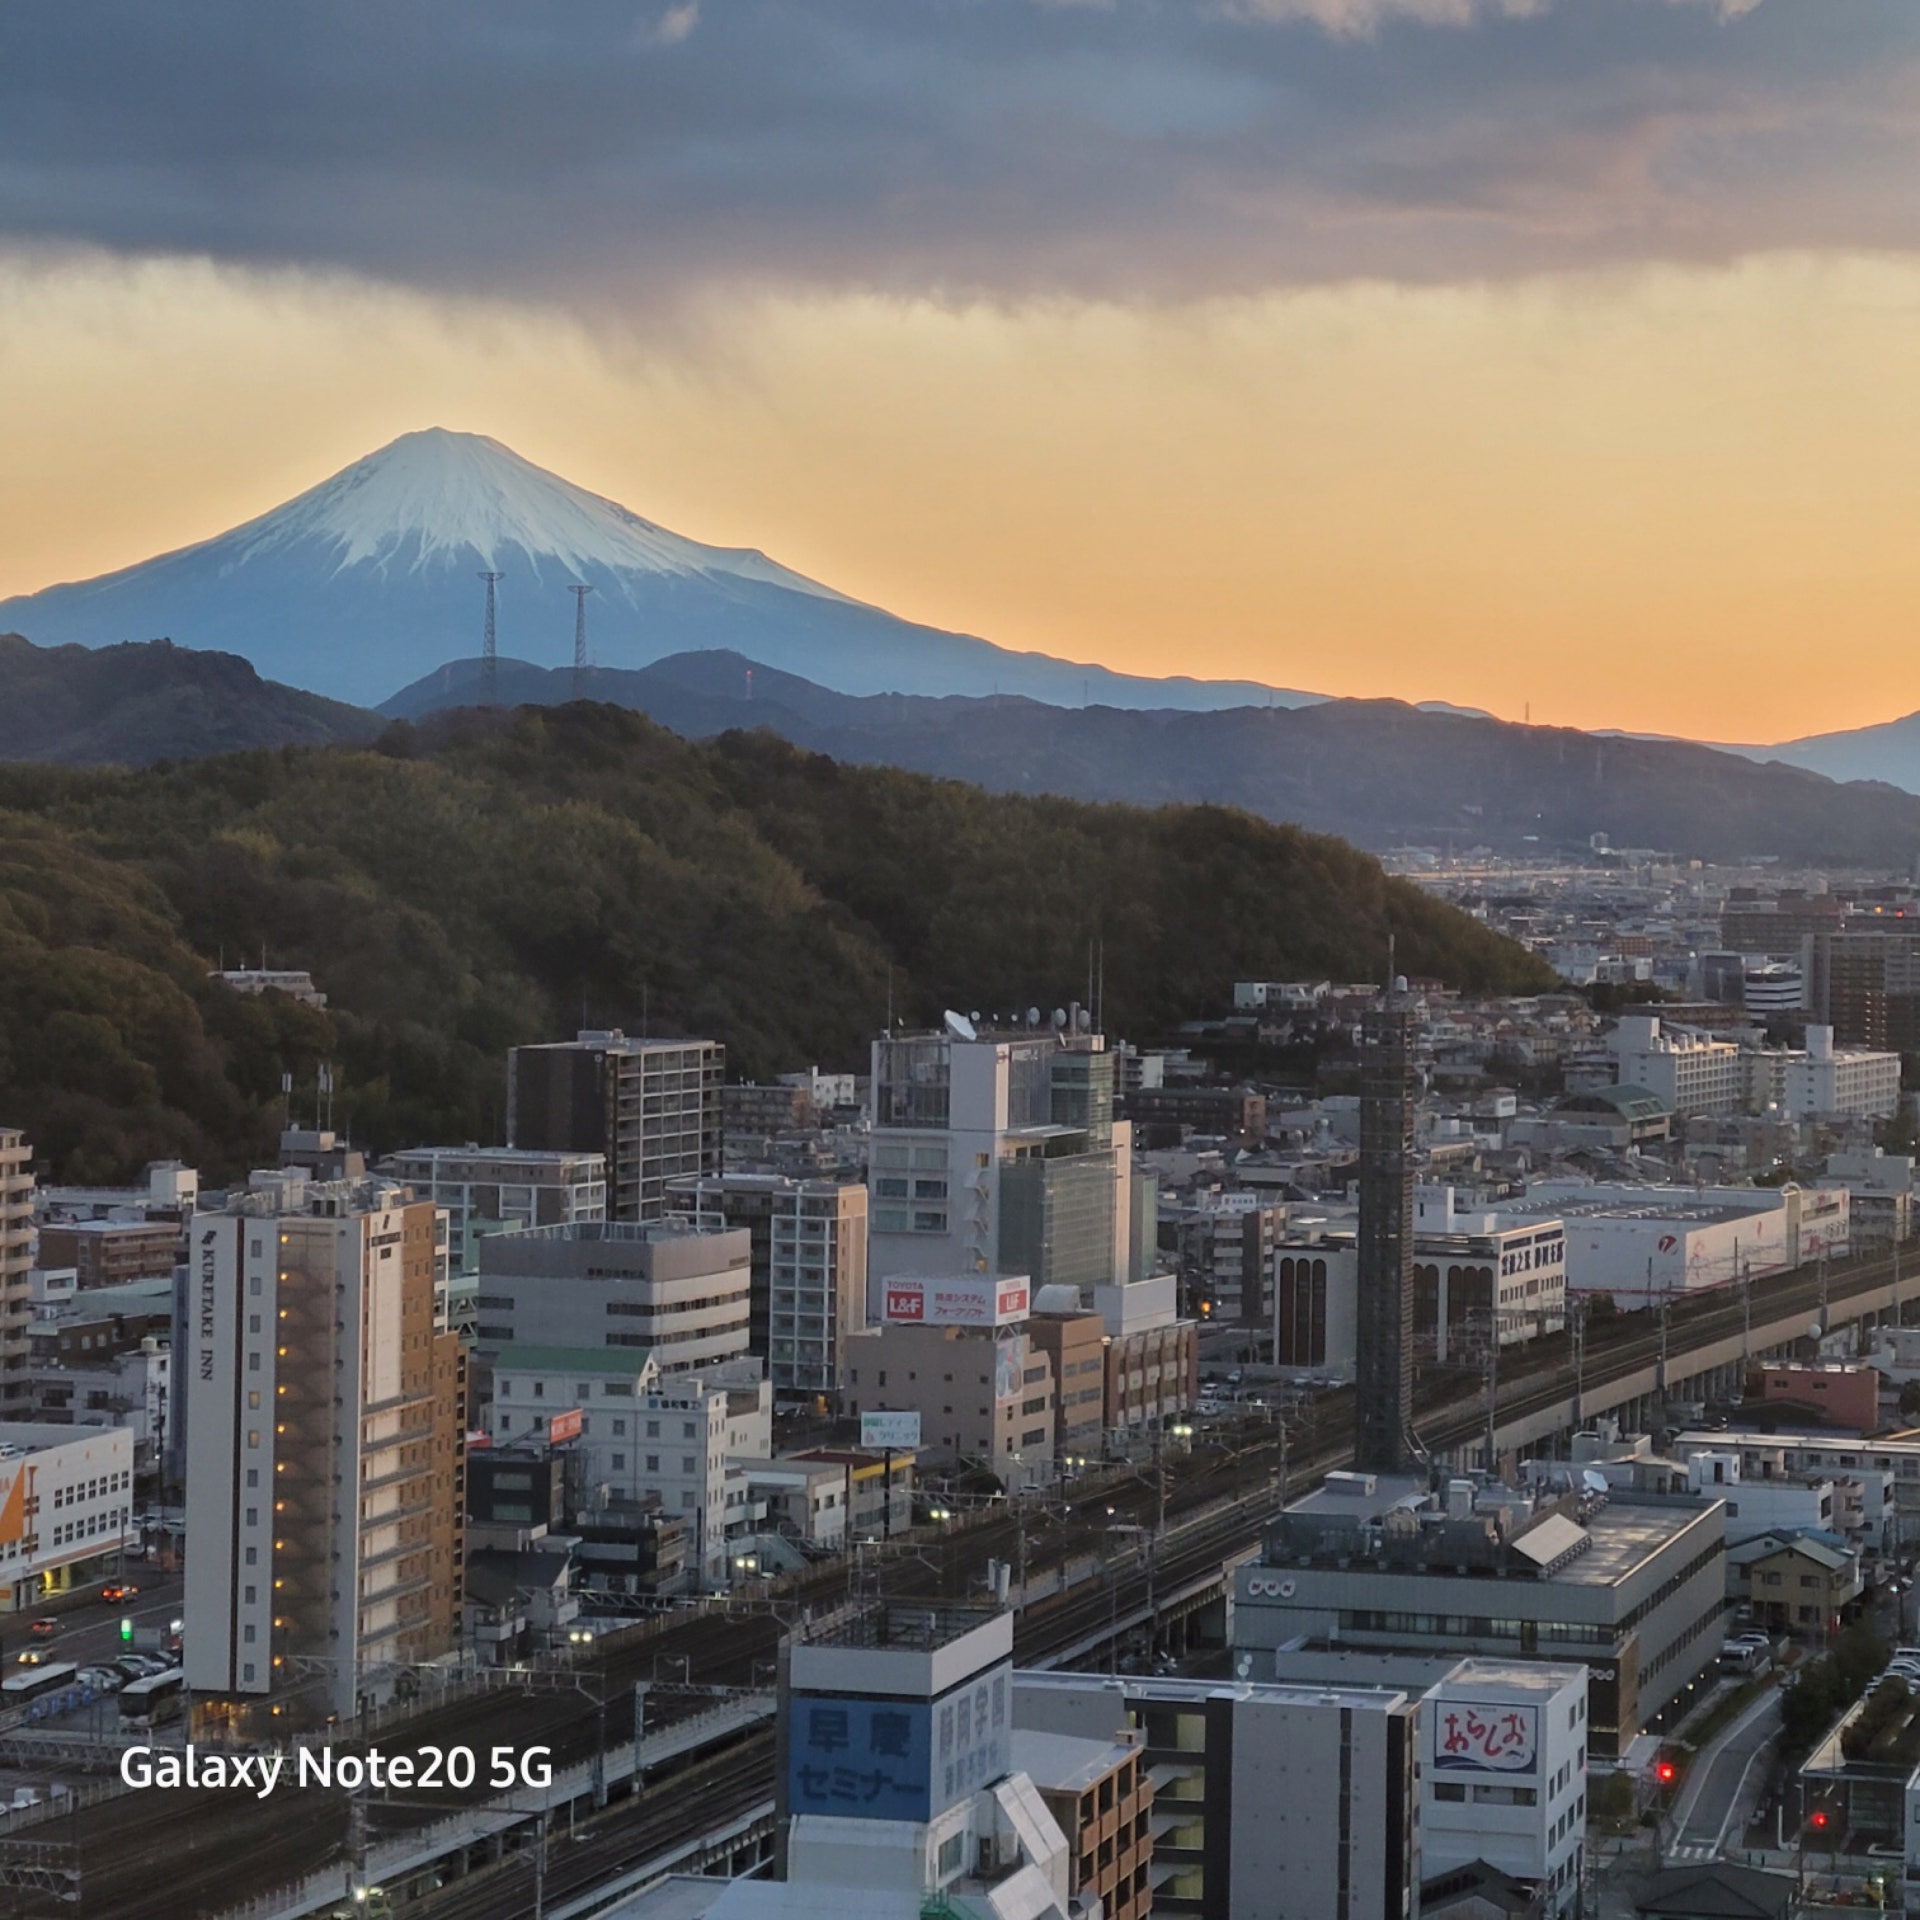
{"x": 489, "y": 661}
{"x": 579, "y": 640}
{"x": 1383, "y": 1361}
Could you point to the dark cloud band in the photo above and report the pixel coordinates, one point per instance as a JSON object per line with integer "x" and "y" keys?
{"x": 1138, "y": 148}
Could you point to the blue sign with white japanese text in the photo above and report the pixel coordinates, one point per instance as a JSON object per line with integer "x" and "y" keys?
{"x": 897, "y": 1759}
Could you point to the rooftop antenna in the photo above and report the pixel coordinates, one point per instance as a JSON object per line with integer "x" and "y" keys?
{"x": 489, "y": 663}
{"x": 286, "y": 1102}
{"x": 579, "y": 640}
{"x": 1391, "y": 975}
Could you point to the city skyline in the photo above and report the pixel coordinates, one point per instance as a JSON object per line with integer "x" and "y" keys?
{"x": 1543, "y": 358}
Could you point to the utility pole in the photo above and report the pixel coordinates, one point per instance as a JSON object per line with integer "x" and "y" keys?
{"x": 579, "y": 640}
{"x": 1577, "y": 1339}
{"x": 489, "y": 662}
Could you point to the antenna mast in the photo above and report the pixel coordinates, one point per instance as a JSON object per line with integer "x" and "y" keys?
{"x": 489, "y": 664}
{"x": 579, "y": 640}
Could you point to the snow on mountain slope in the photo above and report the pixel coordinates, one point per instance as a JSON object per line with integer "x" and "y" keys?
{"x": 366, "y": 583}
{"x": 441, "y": 496}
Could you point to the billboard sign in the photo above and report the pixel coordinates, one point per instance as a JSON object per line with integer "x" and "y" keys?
{"x": 1472, "y": 1737}
{"x": 888, "y": 1429}
{"x": 898, "y": 1759}
{"x": 965, "y": 1301}
{"x": 564, "y": 1426}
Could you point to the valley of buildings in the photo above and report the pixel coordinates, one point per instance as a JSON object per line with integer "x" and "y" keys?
{"x": 682, "y": 1343}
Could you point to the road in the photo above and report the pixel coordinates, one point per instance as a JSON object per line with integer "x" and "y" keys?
{"x": 1724, "y": 1784}
{"x": 90, "y": 1626}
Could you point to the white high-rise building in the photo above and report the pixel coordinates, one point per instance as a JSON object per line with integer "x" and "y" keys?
{"x": 998, "y": 1153}
{"x": 325, "y": 1434}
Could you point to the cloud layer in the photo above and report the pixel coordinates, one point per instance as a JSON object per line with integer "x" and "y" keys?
{"x": 998, "y": 148}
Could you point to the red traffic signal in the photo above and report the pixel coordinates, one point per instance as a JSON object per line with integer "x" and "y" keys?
{"x": 1819, "y": 1821}
{"x": 1663, "y": 1771}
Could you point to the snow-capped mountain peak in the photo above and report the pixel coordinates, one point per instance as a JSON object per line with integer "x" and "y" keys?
{"x": 365, "y": 584}
{"x": 439, "y": 497}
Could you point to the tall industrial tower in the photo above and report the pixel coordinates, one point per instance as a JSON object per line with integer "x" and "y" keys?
{"x": 489, "y": 664}
{"x": 579, "y": 640}
{"x": 1383, "y": 1366}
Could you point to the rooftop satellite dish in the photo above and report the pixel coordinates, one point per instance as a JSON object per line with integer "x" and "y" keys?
{"x": 1244, "y": 1665}
{"x": 1033, "y": 1016}
{"x": 1593, "y": 1482}
{"x": 1059, "y": 1016}
{"x": 960, "y": 1026}
{"x": 1813, "y": 1330}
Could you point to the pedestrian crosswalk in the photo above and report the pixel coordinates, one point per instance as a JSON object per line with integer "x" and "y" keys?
{"x": 1693, "y": 1850}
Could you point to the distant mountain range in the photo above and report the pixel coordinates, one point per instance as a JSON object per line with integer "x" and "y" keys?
{"x": 133, "y": 705}
{"x": 1377, "y": 772}
{"x": 368, "y": 580}
{"x": 1889, "y": 751}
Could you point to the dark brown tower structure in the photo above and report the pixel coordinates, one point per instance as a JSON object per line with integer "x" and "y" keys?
{"x": 1383, "y": 1367}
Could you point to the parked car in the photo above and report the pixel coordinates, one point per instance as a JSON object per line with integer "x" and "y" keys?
{"x": 102, "y": 1679}
{"x": 119, "y": 1591}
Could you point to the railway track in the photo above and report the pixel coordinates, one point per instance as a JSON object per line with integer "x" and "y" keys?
{"x": 171, "y": 1856}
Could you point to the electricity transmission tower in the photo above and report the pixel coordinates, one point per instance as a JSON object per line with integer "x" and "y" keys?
{"x": 579, "y": 640}
{"x": 489, "y": 663}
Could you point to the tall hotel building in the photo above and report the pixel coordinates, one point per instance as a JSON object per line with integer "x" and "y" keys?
{"x": 325, "y": 1446}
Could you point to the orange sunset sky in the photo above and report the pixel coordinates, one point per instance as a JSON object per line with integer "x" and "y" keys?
{"x": 1621, "y": 428}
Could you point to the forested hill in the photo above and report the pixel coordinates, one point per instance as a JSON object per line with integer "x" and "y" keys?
{"x": 150, "y": 700}
{"x": 491, "y": 878}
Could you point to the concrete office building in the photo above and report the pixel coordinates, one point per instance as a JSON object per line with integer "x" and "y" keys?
{"x": 1371, "y": 1568}
{"x": 957, "y": 1352}
{"x": 66, "y": 1500}
{"x": 682, "y": 1438}
{"x": 896, "y": 1797}
{"x": 325, "y": 1445}
{"x": 1270, "y": 1802}
{"x": 999, "y": 1154}
{"x": 492, "y": 1189}
{"x": 1383, "y": 1311}
{"x": 16, "y": 1257}
{"x": 651, "y": 1107}
{"x": 897, "y": 1800}
{"x": 807, "y": 1266}
{"x": 1504, "y": 1776}
{"x": 1643, "y": 1243}
{"x": 661, "y": 1287}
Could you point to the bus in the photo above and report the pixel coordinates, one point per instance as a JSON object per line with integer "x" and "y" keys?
{"x": 153, "y": 1701}
{"x": 31, "y": 1682}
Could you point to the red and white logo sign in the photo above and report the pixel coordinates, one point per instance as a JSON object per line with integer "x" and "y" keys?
{"x": 1668, "y": 1241}
{"x": 906, "y": 1303}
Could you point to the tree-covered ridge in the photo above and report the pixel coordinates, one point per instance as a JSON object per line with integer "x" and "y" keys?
{"x": 496, "y": 878}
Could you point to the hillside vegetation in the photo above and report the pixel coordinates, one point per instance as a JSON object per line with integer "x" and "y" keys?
{"x": 150, "y": 700}
{"x": 493, "y": 878}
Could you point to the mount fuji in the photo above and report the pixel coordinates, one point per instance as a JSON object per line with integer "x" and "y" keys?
{"x": 367, "y": 582}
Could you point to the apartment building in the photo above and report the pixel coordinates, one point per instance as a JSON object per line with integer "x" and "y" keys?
{"x": 652, "y": 1108}
{"x": 807, "y": 1267}
{"x": 325, "y": 1447}
{"x": 495, "y": 1189}
{"x": 16, "y": 1256}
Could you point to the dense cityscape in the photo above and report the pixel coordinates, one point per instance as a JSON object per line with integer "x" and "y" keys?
{"x": 959, "y": 960}
{"x": 1437, "y": 1453}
